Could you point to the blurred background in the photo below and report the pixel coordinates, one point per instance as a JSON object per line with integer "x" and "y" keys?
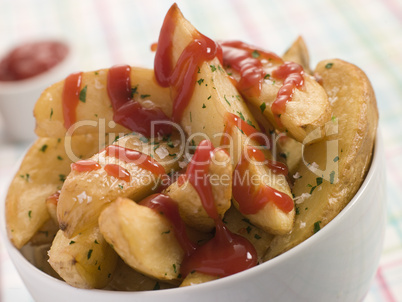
{"x": 103, "y": 33}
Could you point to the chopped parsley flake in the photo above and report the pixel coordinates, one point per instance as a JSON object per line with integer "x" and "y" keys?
{"x": 43, "y": 148}
{"x": 332, "y": 177}
{"x": 200, "y": 81}
{"x": 30, "y": 214}
{"x": 51, "y": 113}
{"x": 133, "y": 91}
{"x": 144, "y": 96}
{"x": 319, "y": 180}
{"x": 226, "y": 100}
{"x": 157, "y": 286}
{"x": 83, "y": 94}
{"x": 241, "y": 115}
{"x": 262, "y": 107}
{"x": 203, "y": 106}
{"x": 62, "y": 177}
{"x": 213, "y": 68}
{"x": 329, "y": 65}
{"x": 317, "y": 226}
{"x": 255, "y": 54}
{"x": 89, "y": 254}
{"x": 71, "y": 242}
{"x": 336, "y": 159}
{"x": 26, "y": 177}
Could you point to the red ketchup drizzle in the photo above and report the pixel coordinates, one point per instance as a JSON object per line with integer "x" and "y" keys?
{"x": 246, "y": 60}
{"x": 252, "y": 199}
{"x": 183, "y": 76}
{"x": 31, "y": 59}
{"x": 71, "y": 97}
{"x": 132, "y": 156}
{"x": 165, "y": 205}
{"x": 292, "y": 75}
{"x": 232, "y": 120}
{"x": 130, "y": 113}
{"x": 118, "y": 172}
{"x": 85, "y": 165}
{"x": 226, "y": 253}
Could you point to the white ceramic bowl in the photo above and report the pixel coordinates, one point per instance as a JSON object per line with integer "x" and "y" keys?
{"x": 18, "y": 98}
{"x": 336, "y": 264}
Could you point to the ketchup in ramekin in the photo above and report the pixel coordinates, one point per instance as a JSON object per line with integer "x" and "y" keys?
{"x": 31, "y": 59}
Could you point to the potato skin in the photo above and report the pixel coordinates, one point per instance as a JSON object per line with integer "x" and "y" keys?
{"x": 334, "y": 168}
{"x": 85, "y": 194}
{"x": 135, "y": 231}
{"x": 96, "y": 114}
{"x": 84, "y": 261}
{"x": 41, "y": 173}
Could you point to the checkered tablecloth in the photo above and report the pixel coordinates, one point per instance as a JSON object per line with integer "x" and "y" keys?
{"x": 107, "y": 32}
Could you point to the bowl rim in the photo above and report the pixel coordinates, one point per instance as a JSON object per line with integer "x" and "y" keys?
{"x": 374, "y": 167}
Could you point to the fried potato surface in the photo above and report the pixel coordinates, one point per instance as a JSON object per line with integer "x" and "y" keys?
{"x": 85, "y": 194}
{"x": 213, "y": 98}
{"x": 96, "y": 113}
{"x": 42, "y": 172}
{"x": 84, "y": 261}
{"x": 335, "y": 167}
{"x": 189, "y": 202}
{"x": 143, "y": 238}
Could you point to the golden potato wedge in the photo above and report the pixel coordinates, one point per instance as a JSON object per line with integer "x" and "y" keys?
{"x": 96, "y": 113}
{"x": 309, "y": 108}
{"x": 85, "y": 194}
{"x": 143, "y": 238}
{"x": 298, "y": 53}
{"x": 42, "y": 172}
{"x": 271, "y": 218}
{"x": 189, "y": 202}
{"x": 84, "y": 261}
{"x": 334, "y": 168}
{"x": 197, "y": 278}
{"x": 242, "y": 226}
{"x": 127, "y": 279}
{"x": 214, "y": 99}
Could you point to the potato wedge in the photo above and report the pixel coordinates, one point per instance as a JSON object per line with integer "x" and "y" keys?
{"x": 260, "y": 79}
{"x": 85, "y": 194}
{"x": 298, "y": 53}
{"x": 187, "y": 198}
{"x": 213, "y": 99}
{"x": 84, "y": 261}
{"x": 41, "y": 173}
{"x": 135, "y": 231}
{"x": 96, "y": 114}
{"x": 334, "y": 168}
